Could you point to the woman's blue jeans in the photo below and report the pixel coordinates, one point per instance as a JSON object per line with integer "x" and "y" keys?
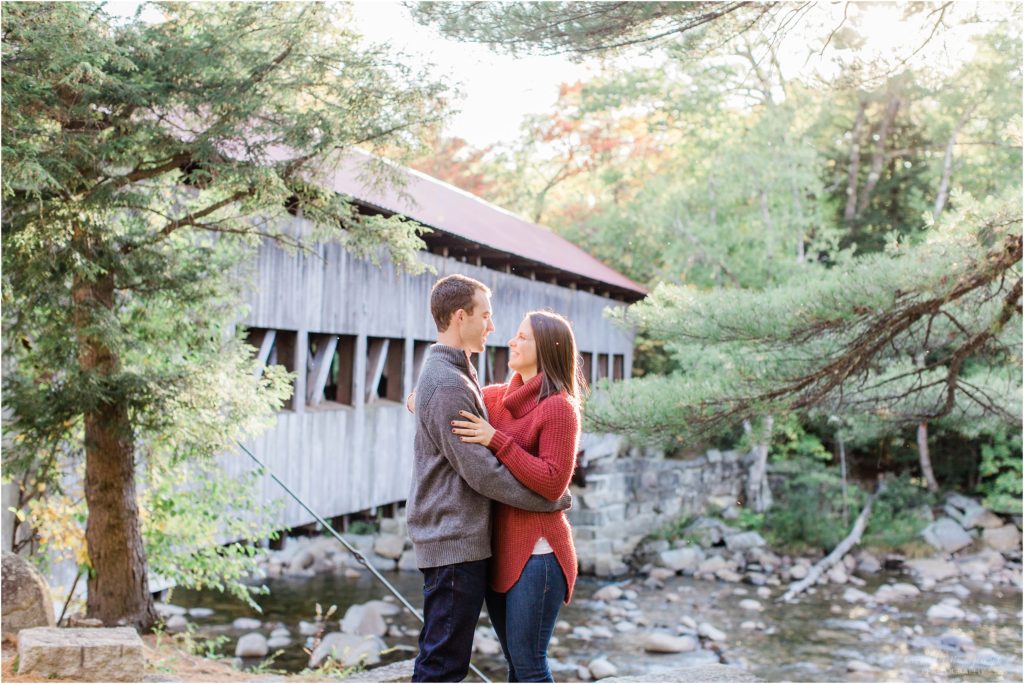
{"x": 524, "y": 618}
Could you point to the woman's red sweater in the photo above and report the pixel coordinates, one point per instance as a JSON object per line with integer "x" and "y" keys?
{"x": 538, "y": 444}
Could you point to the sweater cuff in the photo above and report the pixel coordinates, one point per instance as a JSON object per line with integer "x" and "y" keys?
{"x": 499, "y": 441}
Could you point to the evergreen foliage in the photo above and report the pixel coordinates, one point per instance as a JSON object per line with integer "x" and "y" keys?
{"x": 893, "y": 335}
{"x": 144, "y": 161}
{"x": 580, "y": 28}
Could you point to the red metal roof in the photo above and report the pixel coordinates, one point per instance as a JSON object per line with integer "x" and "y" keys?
{"x": 444, "y": 207}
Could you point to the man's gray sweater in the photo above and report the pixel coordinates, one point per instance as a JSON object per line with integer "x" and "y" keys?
{"x": 449, "y": 511}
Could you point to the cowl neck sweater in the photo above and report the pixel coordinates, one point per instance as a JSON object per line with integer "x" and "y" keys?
{"x": 538, "y": 442}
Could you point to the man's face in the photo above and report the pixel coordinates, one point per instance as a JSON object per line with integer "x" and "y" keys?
{"x": 477, "y": 326}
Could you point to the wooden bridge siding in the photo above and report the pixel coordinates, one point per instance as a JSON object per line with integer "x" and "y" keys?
{"x": 343, "y": 460}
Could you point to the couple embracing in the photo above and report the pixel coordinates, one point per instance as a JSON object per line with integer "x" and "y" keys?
{"x": 486, "y": 513}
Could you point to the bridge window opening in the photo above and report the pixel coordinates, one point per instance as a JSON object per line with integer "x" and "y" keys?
{"x": 618, "y": 367}
{"x": 274, "y": 348}
{"x": 587, "y": 366}
{"x": 497, "y": 370}
{"x": 419, "y": 354}
{"x": 384, "y": 367}
{"x": 602, "y": 366}
{"x": 331, "y": 361}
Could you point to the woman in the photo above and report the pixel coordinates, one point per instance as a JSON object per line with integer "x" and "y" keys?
{"x": 534, "y": 431}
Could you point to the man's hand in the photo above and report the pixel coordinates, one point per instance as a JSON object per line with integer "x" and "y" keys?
{"x": 410, "y": 403}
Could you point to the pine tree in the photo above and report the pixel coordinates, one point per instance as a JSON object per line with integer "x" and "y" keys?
{"x": 921, "y": 332}
{"x": 144, "y": 159}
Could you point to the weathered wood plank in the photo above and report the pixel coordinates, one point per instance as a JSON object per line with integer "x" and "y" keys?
{"x": 343, "y": 459}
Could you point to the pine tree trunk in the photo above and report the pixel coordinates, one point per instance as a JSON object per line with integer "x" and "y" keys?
{"x": 925, "y": 457}
{"x": 118, "y": 587}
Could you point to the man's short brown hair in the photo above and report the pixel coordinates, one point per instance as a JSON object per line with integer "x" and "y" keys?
{"x": 452, "y": 293}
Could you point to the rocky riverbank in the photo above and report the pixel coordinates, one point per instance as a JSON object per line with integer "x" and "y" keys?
{"x": 711, "y": 597}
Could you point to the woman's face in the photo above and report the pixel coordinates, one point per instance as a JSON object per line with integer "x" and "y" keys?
{"x": 522, "y": 356}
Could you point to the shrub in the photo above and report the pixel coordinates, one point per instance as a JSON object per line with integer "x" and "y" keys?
{"x": 808, "y": 510}
{"x": 1000, "y": 472}
{"x": 899, "y": 514}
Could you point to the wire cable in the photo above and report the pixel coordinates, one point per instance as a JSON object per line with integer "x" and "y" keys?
{"x": 351, "y": 549}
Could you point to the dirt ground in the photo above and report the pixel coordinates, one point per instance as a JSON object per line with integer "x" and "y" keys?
{"x": 165, "y": 662}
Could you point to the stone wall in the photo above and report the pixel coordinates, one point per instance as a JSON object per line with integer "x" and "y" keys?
{"x": 623, "y": 494}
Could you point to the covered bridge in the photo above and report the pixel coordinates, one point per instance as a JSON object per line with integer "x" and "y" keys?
{"x": 358, "y": 334}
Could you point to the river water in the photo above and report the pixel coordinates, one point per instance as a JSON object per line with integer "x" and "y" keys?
{"x": 812, "y": 640}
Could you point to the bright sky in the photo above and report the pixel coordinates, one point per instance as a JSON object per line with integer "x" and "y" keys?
{"x": 498, "y": 90}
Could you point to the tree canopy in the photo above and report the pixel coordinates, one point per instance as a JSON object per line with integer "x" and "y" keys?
{"x": 581, "y": 28}
{"x": 830, "y": 228}
{"x": 144, "y": 159}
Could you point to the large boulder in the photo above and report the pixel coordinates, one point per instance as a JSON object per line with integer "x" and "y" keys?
{"x": 26, "y": 596}
{"x": 983, "y": 563}
{"x": 252, "y": 645}
{"x": 407, "y": 563}
{"x": 85, "y": 654}
{"x": 348, "y": 650}
{"x": 744, "y": 541}
{"x": 686, "y": 559}
{"x": 389, "y": 546}
{"x": 1005, "y": 539}
{"x": 985, "y": 519}
{"x": 969, "y": 513}
{"x": 946, "y": 535}
{"x": 867, "y": 563}
{"x": 934, "y": 568}
{"x": 364, "y": 620}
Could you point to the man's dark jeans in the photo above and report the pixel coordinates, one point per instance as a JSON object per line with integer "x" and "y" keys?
{"x": 524, "y": 618}
{"x": 452, "y": 598}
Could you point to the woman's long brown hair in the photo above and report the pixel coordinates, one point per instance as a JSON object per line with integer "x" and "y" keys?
{"x": 557, "y": 357}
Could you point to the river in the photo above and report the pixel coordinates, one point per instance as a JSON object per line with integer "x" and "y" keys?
{"x": 814, "y": 639}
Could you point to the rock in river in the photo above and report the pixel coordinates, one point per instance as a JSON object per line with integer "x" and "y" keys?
{"x": 608, "y": 593}
{"x": 246, "y": 623}
{"x": 946, "y": 535}
{"x": 252, "y": 645}
{"x": 713, "y": 633}
{"x": 945, "y": 611}
{"x": 1005, "y": 539}
{"x": 601, "y": 668}
{"x": 348, "y": 649}
{"x": 659, "y": 642}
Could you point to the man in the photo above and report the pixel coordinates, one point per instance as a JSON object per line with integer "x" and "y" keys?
{"x": 449, "y": 511}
